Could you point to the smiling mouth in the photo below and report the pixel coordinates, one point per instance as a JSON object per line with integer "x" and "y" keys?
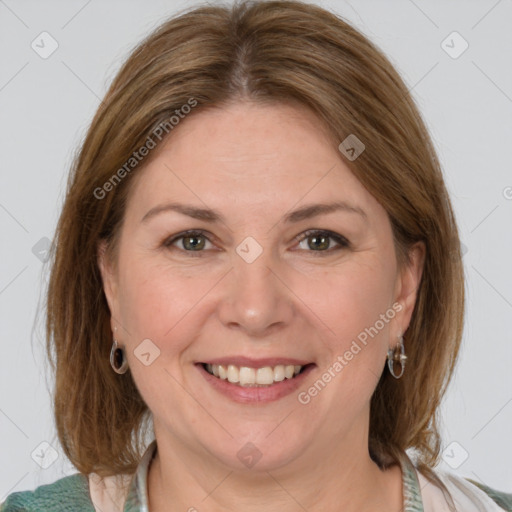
{"x": 244, "y": 376}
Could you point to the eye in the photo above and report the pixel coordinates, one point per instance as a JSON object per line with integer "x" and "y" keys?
{"x": 320, "y": 240}
{"x": 190, "y": 241}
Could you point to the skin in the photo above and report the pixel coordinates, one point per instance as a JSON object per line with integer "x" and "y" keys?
{"x": 254, "y": 164}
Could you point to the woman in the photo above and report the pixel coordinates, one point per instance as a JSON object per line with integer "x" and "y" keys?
{"x": 257, "y": 262}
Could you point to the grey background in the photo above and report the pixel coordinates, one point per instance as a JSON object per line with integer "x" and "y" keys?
{"x": 47, "y": 104}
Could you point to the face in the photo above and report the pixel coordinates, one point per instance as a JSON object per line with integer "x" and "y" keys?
{"x": 260, "y": 281}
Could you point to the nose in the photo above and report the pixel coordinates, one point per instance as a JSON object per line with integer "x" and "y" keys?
{"x": 256, "y": 300}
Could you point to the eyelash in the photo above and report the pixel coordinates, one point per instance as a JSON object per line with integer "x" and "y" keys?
{"x": 343, "y": 242}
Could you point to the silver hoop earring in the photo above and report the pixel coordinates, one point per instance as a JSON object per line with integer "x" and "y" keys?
{"x": 118, "y": 360}
{"x": 397, "y": 355}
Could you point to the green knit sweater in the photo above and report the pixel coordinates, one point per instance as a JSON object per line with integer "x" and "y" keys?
{"x": 69, "y": 494}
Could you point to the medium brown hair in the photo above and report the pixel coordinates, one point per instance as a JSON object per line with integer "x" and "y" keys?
{"x": 270, "y": 51}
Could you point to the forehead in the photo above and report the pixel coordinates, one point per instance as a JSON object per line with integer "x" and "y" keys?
{"x": 255, "y": 158}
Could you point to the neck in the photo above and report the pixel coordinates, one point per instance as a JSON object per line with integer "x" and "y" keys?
{"x": 345, "y": 479}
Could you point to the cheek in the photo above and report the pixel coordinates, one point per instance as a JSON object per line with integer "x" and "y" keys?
{"x": 358, "y": 312}
{"x": 159, "y": 304}
{"x": 158, "y": 301}
{"x": 352, "y": 299}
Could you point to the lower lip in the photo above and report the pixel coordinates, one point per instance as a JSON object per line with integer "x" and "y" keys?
{"x": 255, "y": 394}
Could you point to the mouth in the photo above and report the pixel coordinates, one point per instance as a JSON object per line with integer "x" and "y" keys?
{"x": 261, "y": 382}
{"x": 246, "y": 376}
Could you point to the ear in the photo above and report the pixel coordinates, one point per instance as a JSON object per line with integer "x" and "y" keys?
{"x": 407, "y": 285}
{"x": 108, "y": 277}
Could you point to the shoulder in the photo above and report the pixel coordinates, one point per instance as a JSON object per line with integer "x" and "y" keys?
{"x": 68, "y": 493}
{"x": 468, "y": 495}
{"x": 503, "y": 499}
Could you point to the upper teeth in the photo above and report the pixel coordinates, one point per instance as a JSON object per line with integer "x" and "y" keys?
{"x": 246, "y": 376}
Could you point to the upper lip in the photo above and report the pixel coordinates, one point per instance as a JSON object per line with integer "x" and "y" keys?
{"x": 257, "y": 363}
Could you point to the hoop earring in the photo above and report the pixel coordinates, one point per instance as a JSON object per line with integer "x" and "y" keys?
{"x": 118, "y": 360}
{"x": 397, "y": 354}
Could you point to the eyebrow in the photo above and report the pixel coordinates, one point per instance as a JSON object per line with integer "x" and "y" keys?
{"x": 209, "y": 215}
